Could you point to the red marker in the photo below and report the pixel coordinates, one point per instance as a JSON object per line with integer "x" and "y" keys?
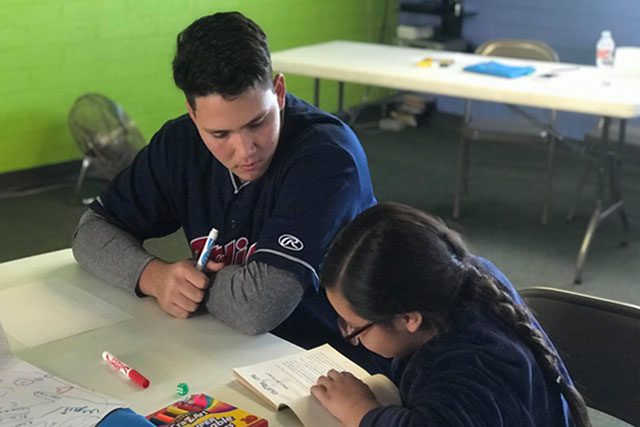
{"x": 125, "y": 370}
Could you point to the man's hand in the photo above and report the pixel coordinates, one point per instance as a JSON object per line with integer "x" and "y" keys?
{"x": 179, "y": 287}
{"x": 214, "y": 267}
{"x": 346, "y": 397}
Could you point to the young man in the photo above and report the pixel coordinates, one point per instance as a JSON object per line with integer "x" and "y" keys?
{"x": 276, "y": 176}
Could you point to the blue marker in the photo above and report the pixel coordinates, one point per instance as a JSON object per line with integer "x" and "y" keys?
{"x": 206, "y": 249}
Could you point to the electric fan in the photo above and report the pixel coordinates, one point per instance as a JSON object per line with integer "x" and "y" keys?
{"x": 105, "y": 134}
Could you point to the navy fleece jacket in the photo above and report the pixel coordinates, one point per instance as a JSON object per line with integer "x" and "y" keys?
{"x": 478, "y": 373}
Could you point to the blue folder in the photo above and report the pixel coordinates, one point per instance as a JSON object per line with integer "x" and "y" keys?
{"x": 501, "y": 70}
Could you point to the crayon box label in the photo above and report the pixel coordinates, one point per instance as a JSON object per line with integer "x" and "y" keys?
{"x": 201, "y": 410}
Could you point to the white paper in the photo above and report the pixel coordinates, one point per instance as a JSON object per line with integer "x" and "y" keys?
{"x": 48, "y": 310}
{"x": 30, "y": 396}
{"x": 311, "y": 412}
{"x": 286, "y": 382}
{"x": 5, "y": 348}
{"x": 288, "y": 378}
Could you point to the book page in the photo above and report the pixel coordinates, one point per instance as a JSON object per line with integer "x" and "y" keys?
{"x": 385, "y": 390}
{"x": 312, "y": 414}
{"x": 283, "y": 380}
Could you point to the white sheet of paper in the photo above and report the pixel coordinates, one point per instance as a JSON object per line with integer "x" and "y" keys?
{"x": 290, "y": 377}
{"x": 31, "y": 396}
{"x": 48, "y": 310}
{"x": 311, "y": 412}
{"x": 287, "y": 381}
{"x": 5, "y": 348}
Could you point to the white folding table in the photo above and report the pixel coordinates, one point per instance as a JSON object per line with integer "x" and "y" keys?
{"x": 199, "y": 351}
{"x": 560, "y": 86}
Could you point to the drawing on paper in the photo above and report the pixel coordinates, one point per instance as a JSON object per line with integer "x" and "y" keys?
{"x": 32, "y": 397}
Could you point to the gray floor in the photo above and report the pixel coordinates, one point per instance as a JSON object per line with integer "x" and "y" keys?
{"x": 499, "y": 217}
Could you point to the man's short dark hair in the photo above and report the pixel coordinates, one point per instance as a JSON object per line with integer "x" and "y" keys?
{"x": 224, "y": 53}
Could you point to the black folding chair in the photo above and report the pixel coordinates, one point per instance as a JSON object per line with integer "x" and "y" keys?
{"x": 599, "y": 342}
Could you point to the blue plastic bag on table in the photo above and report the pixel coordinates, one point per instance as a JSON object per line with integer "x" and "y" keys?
{"x": 498, "y": 69}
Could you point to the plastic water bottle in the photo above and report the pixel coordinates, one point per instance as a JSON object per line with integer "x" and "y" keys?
{"x": 604, "y": 50}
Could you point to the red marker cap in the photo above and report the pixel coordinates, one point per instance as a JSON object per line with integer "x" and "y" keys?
{"x": 138, "y": 378}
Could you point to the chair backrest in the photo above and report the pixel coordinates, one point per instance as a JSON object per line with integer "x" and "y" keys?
{"x": 515, "y": 48}
{"x": 520, "y": 49}
{"x": 599, "y": 342}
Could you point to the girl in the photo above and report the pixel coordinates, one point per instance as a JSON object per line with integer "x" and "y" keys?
{"x": 466, "y": 350}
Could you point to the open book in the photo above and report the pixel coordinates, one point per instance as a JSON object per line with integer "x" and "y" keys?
{"x": 285, "y": 382}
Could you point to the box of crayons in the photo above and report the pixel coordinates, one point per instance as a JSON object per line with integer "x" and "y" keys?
{"x": 201, "y": 410}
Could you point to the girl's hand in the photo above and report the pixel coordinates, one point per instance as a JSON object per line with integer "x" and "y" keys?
{"x": 345, "y": 397}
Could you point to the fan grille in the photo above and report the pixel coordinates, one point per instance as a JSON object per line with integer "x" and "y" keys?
{"x": 105, "y": 133}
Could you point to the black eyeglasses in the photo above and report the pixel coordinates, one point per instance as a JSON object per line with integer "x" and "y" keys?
{"x": 349, "y": 333}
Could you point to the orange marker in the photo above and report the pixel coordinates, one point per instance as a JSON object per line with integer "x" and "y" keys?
{"x": 163, "y": 417}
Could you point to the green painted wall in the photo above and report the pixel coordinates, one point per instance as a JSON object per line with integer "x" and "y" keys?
{"x": 52, "y": 51}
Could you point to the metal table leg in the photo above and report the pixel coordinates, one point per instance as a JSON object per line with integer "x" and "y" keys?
{"x": 586, "y": 242}
{"x": 316, "y": 94}
{"x": 616, "y": 204}
{"x": 616, "y": 182}
{"x": 462, "y": 178}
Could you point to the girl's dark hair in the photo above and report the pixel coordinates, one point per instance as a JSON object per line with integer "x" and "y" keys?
{"x": 224, "y": 53}
{"x": 394, "y": 259}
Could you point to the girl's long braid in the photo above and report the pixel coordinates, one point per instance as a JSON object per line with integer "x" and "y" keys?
{"x": 490, "y": 293}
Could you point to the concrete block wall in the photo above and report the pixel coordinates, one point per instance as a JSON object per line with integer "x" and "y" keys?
{"x": 52, "y": 51}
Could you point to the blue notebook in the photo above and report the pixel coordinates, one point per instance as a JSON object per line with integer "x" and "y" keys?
{"x": 501, "y": 70}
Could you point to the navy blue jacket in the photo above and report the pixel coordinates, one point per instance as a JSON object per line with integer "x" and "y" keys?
{"x": 317, "y": 182}
{"x": 477, "y": 373}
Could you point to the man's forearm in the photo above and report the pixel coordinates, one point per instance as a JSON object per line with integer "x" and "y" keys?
{"x": 254, "y": 298}
{"x": 109, "y": 252}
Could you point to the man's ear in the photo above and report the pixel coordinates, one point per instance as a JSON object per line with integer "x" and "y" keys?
{"x": 280, "y": 88}
{"x": 412, "y": 321}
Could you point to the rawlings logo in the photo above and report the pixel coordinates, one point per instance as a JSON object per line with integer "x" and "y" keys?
{"x": 290, "y": 242}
